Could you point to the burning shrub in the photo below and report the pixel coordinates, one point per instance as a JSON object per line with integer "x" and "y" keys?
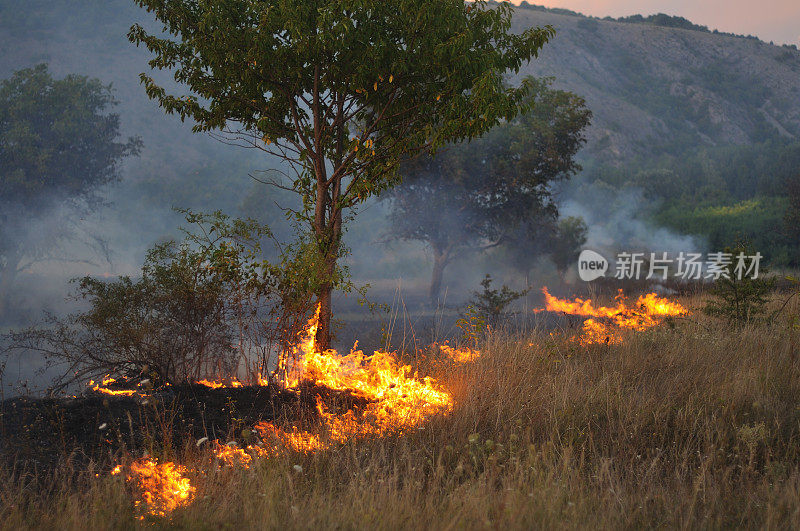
{"x": 206, "y": 306}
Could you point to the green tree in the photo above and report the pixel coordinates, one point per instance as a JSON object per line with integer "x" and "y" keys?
{"x": 490, "y": 304}
{"x": 565, "y": 246}
{"x": 342, "y": 90}
{"x": 739, "y": 298}
{"x": 473, "y": 195}
{"x": 206, "y": 306}
{"x": 58, "y": 146}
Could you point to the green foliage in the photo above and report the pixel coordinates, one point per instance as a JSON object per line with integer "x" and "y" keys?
{"x": 721, "y": 193}
{"x": 740, "y": 298}
{"x": 58, "y": 147}
{"x": 472, "y": 324}
{"x": 341, "y": 90}
{"x": 474, "y": 195}
{"x": 56, "y": 141}
{"x": 206, "y": 306}
{"x": 490, "y": 304}
{"x": 569, "y": 237}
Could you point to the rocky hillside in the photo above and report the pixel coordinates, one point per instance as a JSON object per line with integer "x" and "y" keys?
{"x": 654, "y": 88}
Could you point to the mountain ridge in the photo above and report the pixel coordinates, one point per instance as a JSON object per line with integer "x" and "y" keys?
{"x": 656, "y": 89}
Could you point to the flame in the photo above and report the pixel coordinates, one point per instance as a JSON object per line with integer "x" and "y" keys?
{"x": 162, "y": 487}
{"x": 216, "y": 385}
{"x": 398, "y": 398}
{"x": 460, "y": 355}
{"x": 595, "y": 332}
{"x": 101, "y": 387}
{"x": 648, "y": 311}
{"x": 278, "y": 439}
{"x": 231, "y": 455}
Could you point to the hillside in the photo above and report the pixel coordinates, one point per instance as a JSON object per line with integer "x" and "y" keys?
{"x": 655, "y": 88}
{"x": 652, "y": 88}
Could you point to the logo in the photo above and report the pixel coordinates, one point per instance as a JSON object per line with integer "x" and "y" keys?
{"x": 591, "y": 265}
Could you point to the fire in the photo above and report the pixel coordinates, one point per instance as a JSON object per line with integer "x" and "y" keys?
{"x": 460, "y": 355}
{"x": 102, "y": 388}
{"x": 396, "y": 400}
{"x": 595, "y": 332}
{"x": 399, "y": 399}
{"x": 162, "y": 487}
{"x": 217, "y": 385}
{"x": 278, "y": 439}
{"x": 231, "y": 455}
{"x": 648, "y": 311}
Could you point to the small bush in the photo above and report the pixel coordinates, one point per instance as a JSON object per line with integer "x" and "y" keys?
{"x": 490, "y": 304}
{"x": 739, "y": 298}
{"x": 206, "y": 306}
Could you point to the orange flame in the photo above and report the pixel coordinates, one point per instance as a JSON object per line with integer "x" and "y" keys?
{"x": 461, "y": 354}
{"x": 399, "y": 398}
{"x": 648, "y": 311}
{"x": 162, "y": 487}
{"x": 231, "y": 455}
{"x": 216, "y": 385}
{"x": 101, "y": 388}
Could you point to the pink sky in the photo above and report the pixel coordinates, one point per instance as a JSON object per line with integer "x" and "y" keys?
{"x": 771, "y": 20}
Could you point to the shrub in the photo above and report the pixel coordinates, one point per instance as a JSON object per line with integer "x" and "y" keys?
{"x": 490, "y": 304}
{"x": 206, "y": 306}
{"x": 739, "y": 298}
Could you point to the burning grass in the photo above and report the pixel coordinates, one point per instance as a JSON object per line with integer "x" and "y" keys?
{"x": 609, "y": 324}
{"x": 694, "y": 425}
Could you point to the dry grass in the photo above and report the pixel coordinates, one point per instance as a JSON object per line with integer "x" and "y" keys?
{"x": 695, "y": 425}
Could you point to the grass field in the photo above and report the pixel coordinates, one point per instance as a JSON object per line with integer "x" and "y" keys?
{"x": 690, "y": 424}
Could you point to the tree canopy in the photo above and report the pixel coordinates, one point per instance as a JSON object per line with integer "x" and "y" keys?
{"x": 58, "y": 146}
{"x": 473, "y": 195}
{"x": 342, "y": 90}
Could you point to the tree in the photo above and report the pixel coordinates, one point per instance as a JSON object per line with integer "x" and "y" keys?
{"x": 490, "y": 304}
{"x": 566, "y": 243}
{"x": 58, "y": 146}
{"x": 473, "y": 195}
{"x": 737, "y": 297}
{"x": 341, "y": 90}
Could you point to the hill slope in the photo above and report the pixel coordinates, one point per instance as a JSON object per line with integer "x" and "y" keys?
{"x": 655, "y": 88}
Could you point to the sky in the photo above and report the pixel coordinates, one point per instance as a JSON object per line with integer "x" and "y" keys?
{"x": 770, "y": 20}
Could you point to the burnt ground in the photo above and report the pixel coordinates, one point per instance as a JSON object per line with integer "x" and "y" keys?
{"x": 36, "y": 433}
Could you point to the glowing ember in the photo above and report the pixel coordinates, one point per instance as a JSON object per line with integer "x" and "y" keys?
{"x": 102, "y": 388}
{"x": 217, "y": 385}
{"x": 460, "y": 355}
{"x": 648, "y": 311}
{"x": 162, "y": 487}
{"x": 231, "y": 455}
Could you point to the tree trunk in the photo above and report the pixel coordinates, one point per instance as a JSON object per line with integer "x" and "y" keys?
{"x": 323, "y": 337}
{"x": 440, "y": 260}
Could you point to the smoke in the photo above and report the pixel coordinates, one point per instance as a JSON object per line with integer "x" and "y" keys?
{"x": 619, "y": 220}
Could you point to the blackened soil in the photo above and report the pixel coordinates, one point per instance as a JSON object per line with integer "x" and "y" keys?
{"x": 39, "y": 433}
